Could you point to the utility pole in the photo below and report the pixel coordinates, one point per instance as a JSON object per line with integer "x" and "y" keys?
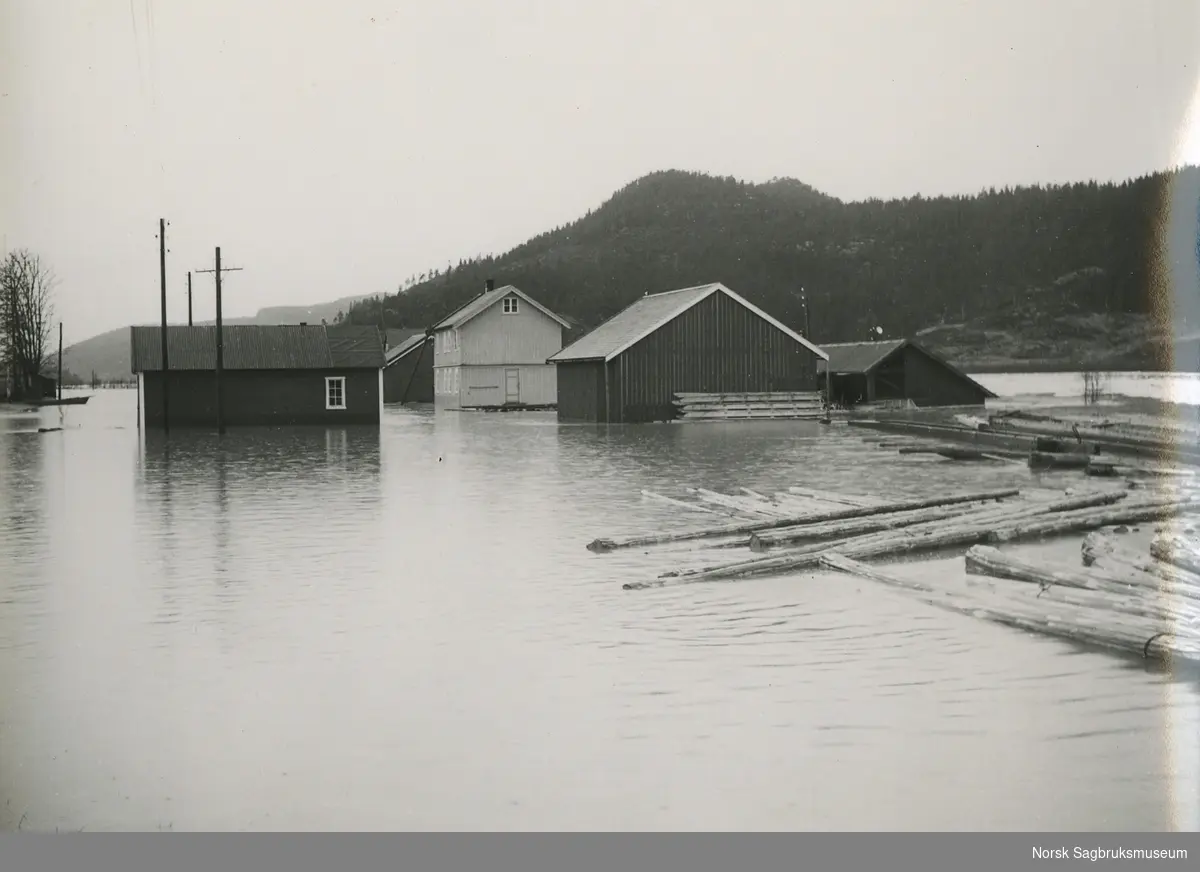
{"x": 189, "y": 298}
{"x": 59, "y": 397}
{"x": 807, "y": 325}
{"x": 162, "y": 273}
{"x": 220, "y": 341}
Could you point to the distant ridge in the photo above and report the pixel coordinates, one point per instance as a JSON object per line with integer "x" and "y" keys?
{"x": 108, "y": 353}
{"x": 1054, "y": 276}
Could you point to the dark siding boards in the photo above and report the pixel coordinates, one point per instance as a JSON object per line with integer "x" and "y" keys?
{"x": 717, "y": 345}
{"x": 581, "y": 391}
{"x": 262, "y": 397}
{"x": 929, "y": 383}
{"x": 396, "y": 378}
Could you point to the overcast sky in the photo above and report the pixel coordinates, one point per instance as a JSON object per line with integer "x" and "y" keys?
{"x": 334, "y": 148}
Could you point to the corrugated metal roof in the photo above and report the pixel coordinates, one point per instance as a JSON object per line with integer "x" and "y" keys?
{"x": 488, "y": 299}
{"x": 251, "y": 346}
{"x": 354, "y": 347}
{"x": 859, "y": 357}
{"x": 395, "y": 353}
{"x": 644, "y": 316}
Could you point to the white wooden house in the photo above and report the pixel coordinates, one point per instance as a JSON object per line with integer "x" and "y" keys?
{"x": 491, "y": 353}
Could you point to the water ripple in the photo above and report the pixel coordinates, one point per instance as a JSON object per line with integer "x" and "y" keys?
{"x": 401, "y": 628}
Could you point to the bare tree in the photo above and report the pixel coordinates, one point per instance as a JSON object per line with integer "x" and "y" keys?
{"x": 26, "y": 313}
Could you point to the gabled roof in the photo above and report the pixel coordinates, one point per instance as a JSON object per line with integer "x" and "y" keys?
{"x": 405, "y": 348}
{"x": 488, "y": 299}
{"x": 859, "y": 358}
{"x": 355, "y": 347}
{"x": 256, "y": 346}
{"x": 638, "y": 320}
{"x": 397, "y": 335}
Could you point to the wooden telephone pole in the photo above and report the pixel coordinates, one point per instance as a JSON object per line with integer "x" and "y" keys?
{"x": 220, "y": 341}
{"x": 189, "y": 299}
{"x": 162, "y": 274}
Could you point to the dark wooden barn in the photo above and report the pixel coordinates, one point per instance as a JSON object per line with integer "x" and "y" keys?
{"x": 408, "y": 371}
{"x": 271, "y": 375}
{"x": 704, "y": 339}
{"x": 898, "y": 370}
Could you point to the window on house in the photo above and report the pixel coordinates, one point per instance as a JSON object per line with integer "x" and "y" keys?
{"x": 335, "y": 392}
{"x": 454, "y": 382}
{"x": 455, "y": 338}
{"x": 510, "y": 305}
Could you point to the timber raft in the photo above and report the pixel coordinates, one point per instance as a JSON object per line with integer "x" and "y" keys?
{"x": 1147, "y": 604}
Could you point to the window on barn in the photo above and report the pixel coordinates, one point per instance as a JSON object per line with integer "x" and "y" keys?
{"x": 510, "y": 305}
{"x": 335, "y": 392}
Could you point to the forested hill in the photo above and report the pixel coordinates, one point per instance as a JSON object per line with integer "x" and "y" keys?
{"x": 1040, "y": 274}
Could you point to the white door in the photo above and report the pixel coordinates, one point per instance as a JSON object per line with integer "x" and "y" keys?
{"x": 512, "y": 385}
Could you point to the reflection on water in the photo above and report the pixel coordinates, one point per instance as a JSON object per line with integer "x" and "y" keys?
{"x": 400, "y": 628}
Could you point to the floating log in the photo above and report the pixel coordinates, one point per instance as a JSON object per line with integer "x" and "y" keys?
{"x": 754, "y": 494}
{"x": 1102, "y": 551}
{"x": 1176, "y": 550}
{"x": 920, "y": 538}
{"x": 950, "y": 452}
{"x": 1104, "y": 467}
{"x": 981, "y": 521}
{"x": 951, "y": 432}
{"x": 763, "y": 541}
{"x": 863, "y": 547}
{"x": 1146, "y": 637}
{"x": 1014, "y": 577}
{"x": 1049, "y": 444}
{"x": 740, "y": 505}
{"x": 1047, "y": 460}
{"x": 831, "y": 497}
{"x": 682, "y": 503}
{"x": 1143, "y": 445}
{"x": 1094, "y": 519}
{"x": 987, "y": 560}
{"x": 753, "y": 527}
{"x": 767, "y": 539}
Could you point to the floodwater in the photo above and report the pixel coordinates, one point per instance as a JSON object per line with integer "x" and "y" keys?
{"x": 362, "y": 629}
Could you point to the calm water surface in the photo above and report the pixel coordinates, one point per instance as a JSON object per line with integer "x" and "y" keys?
{"x": 402, "y": 629}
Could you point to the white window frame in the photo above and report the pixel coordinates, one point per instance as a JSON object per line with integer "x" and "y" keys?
{"x": 456, "y": 340}
{"x": 510, "y": 305}
{"x": 454, "y": 381}
{"x": 330, "y": 381}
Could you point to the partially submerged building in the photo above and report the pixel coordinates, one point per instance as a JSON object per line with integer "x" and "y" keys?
{"x": 408, "y": 371}
{"x": 271, "y": 375}
{"x": 899, "y": 372}
{"x": 491, "y": 353}
{"x": 703, "y": 339}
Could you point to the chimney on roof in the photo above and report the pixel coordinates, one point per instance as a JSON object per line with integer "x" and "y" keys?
{"x": 490, "y": 285}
